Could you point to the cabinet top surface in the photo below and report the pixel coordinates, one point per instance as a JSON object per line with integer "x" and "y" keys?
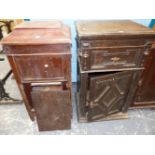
{"x": 120, "y": 27}
{"x": 40, "y": 24}
{"x": 37, "y": 33}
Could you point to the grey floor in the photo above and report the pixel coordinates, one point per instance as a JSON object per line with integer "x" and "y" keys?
{"x": 15, "y": 120}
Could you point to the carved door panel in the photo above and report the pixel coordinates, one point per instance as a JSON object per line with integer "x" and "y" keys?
{"x": 107, "y": 94}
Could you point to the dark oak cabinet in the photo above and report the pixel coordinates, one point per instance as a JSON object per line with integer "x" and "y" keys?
{"x": 112, "y": 56}
{"x": 40, "y": 56}
{"x": 145, "y": 93}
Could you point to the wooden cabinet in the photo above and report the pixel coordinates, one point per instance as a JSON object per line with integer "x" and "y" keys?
{"x": 145, "y": 93}
{"x": 111, "y": 59}
{"x": 40, "y": 56}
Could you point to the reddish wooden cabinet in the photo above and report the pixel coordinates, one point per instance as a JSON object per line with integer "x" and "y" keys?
{"x": 111, "y": 59}
{"x": 40, "y": 56}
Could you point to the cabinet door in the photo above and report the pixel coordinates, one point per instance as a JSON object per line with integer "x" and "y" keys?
{"x": 43, "y": 67}
{"x": 53, "y": 108}
{"x": 107, "y": 94}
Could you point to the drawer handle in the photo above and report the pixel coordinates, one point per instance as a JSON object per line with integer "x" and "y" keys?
{"x": 46, "y": 84}
{"x": 86, "y": 44}
{"x": 85, "y": 55}
{"x": 146, "y": 53}
{"x": 115, "y": 59}
{"x": 62, "y": 83}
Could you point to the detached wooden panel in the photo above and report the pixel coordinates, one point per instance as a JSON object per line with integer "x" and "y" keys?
{"x": 53, "y": 108}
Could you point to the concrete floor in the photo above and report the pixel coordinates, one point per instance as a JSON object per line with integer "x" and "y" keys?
{"x": 15, "y": 120}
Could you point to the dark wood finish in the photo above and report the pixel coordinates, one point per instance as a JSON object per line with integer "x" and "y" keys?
{"x": 145, "y": 93}
{"x": 26, "y": 100}
{"x": 107, "y": 94}
{"x": 111, "y": 58}
{"x": 40, "y": 56}
{"x": 53, "y": 108}
{"x": 110, "y": 29}
{"x": 38, "y": 36}
{"x": 45, "y": 67}
{"x": 115, "y": 58}
{"x": 83, "y": 119}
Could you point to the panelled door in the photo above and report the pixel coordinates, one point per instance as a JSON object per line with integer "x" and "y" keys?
{"x": 107, "y": 94}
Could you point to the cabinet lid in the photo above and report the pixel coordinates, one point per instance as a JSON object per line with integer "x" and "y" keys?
{"x": 40, "y": 24}
{"x": 111, "y": 27}
{"x": 37, "y": 33}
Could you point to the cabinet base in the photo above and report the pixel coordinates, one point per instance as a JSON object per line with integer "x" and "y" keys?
{"x": 82, "y": 117}
{"x": 143, "y": 105}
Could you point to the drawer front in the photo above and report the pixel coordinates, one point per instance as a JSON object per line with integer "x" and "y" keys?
{"x": 46, "y": 67}
{"x": 118, "y": 58}
{"x": 52, "y": 111}
{"x": 36, "y": 49}
{"x": 113, "y": 43}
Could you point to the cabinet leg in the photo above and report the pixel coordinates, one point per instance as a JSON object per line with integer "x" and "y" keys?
{"x": 83, "y": 93}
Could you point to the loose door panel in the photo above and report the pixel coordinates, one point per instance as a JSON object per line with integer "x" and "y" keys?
{"x": 107, "y": 94}
{"x": 53, "y": 108}
{"x": 37, "y": 67}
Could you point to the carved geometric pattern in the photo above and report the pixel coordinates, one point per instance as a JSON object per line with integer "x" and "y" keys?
{"x": 108, "y": 93}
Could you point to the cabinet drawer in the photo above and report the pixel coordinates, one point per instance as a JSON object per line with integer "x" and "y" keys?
{"x": 52, "y": 111}
{"x": 112, "y": 43}
{"x": 111, "y": 59}
{"x": 40, "y": 67}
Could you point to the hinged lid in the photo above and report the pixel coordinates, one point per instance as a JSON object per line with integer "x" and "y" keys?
{"x": 40, "y": 24}
{"x": 108, "y": 28}
{"x": 36, "y": 33}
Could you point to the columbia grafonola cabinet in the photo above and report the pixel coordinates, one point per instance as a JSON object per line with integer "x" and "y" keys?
{"x": 111, "y": 60}
{"x": 40, "y": 56}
